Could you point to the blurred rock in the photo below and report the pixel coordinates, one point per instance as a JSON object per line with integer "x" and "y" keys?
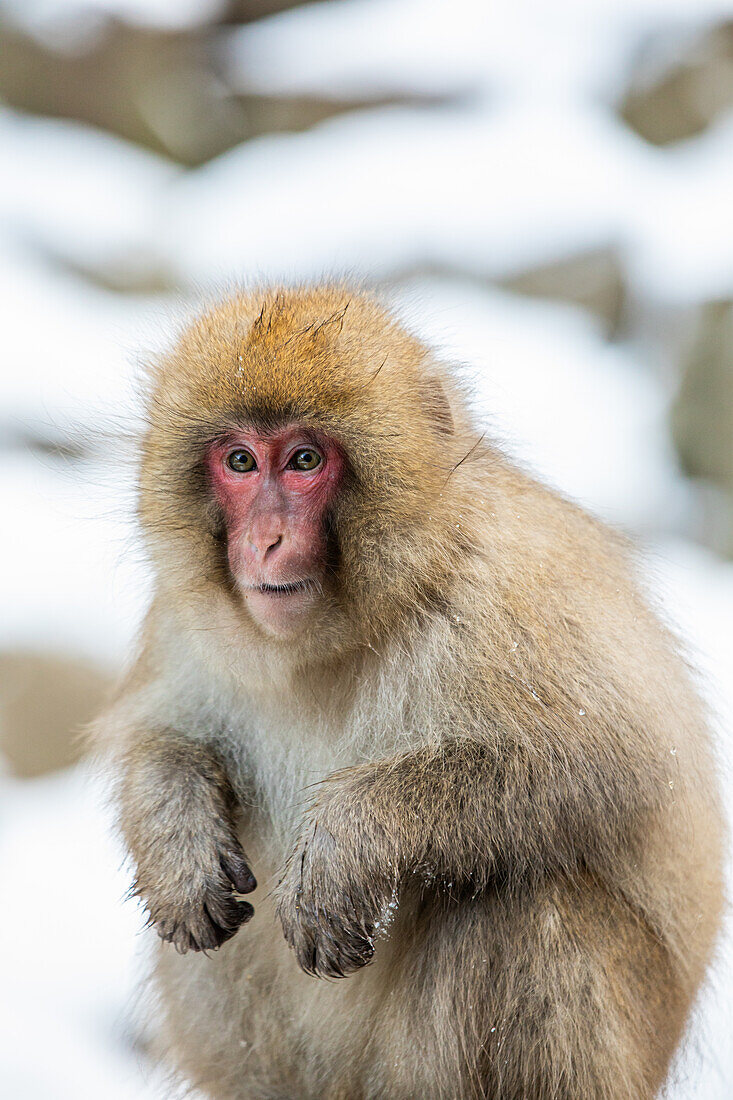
{"x": 153, "y": 87}
{"x": 161, "y": 89}
{"x": 55, "y": 445}
{"x": 45, "y": 702}
{"x": 593, "y": 280}
{"x": 682, "y": 96}
{"x": 702, "y": 421}
{"x": 246, "y": 11}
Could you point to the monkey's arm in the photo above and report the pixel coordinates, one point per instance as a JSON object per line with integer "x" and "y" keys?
{"x": 460, "y": 813}
{"x": 177, "y": 813}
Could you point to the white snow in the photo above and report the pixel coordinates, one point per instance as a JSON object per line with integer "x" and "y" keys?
{"x": 74, "y": 352}
{"x": 78, "y": 192}
{"x": 372, "y": 47}
{"x": 70, "y": 23}
{"x": 73, "y": 959}
{"x": 72, "y": 577}
{"x": 587, "y": 415}
{"x": 681, "y": 227}
{"x": 388, "y": 189}
{"x": 517, "y": 184}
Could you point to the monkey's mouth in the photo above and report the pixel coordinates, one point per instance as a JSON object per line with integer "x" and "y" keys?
{"x": 288, "y": 589}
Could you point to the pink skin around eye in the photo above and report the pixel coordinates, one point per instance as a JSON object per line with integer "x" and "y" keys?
{"x": 275, "y": 520}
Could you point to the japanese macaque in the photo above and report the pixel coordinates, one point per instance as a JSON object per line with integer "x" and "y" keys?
{"x": 412, "y": 704}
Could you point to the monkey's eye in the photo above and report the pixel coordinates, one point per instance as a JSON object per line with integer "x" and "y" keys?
{"x": 241, "y": 462}
{"x": 305, "y": 459}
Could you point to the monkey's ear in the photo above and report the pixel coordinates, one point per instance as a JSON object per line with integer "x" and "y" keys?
{"x": 436, "y": 404}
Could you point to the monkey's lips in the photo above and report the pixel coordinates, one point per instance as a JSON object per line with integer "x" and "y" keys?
{"x": 290, "y": 588}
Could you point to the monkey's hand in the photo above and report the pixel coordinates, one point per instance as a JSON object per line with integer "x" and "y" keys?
{"x": 178, "y": 820}
{"x": 336, "y": 894}
{"x": 195, "y": 905}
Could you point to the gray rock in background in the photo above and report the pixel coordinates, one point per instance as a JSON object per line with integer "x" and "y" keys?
{"x": 160, "y": 88}
{"x": 676, "y": 99}
{"x": 702, "y": 420}
{"x": 45, "y": 703}
{"x": 594, "y": 280}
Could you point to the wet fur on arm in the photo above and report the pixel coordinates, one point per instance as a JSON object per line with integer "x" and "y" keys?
{"x": 179, "y": 822}
{"x": 459, "y": 815}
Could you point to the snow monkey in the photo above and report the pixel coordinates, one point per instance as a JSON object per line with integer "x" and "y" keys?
{"x": 420, "y": 697}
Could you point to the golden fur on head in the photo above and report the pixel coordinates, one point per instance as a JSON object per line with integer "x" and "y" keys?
{"x": 339, "y": 363}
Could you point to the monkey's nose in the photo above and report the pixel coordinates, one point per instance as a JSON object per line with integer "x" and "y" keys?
{"x": 265, "y": 545}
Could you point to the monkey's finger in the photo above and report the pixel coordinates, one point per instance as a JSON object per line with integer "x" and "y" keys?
{"x": 247, "y": 911}
{"x": 228, "y": 910}
{"x": 226, "y": 924}
{"x": 338, "y": 957}
{"x": 238, "y": 872}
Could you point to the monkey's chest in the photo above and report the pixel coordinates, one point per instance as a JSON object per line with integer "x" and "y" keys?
{"x": 284, "y": 763}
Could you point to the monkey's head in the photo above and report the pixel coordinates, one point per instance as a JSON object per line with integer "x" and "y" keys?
{"x": 299, "y": 443}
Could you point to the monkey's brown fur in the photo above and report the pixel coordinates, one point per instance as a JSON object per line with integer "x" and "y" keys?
{"x": 483, "y": 758}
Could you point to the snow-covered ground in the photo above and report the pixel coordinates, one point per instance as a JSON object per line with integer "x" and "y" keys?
{"x": 526, "y": 165}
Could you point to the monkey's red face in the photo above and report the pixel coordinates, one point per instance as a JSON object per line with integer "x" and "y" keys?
{"x": 274, "y": 491}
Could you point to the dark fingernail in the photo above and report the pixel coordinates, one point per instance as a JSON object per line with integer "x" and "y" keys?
{"x": 239, "y": 874}
{"x": 247, "y": 911}
{"x": 245, "y": 882}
